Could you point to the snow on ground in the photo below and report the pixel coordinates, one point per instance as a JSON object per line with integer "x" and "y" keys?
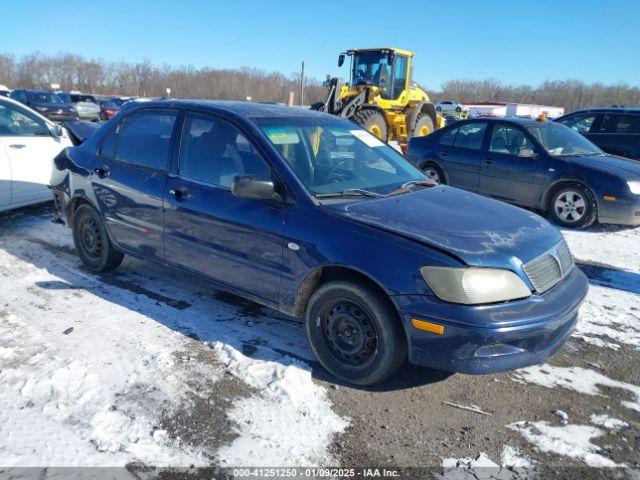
{"x": 288, "y": 424}
{"x": 609, "y": 318}
{"x": 578, "y": 379}
{"x": 481, "y": 461}
{"x": 567, "y": 440}
{"x": 513, "y": 466}
{"x": 94, "y": 364}
{"x": 611, "y": 245}
{"x": 511, "y": 457}
{"x": 76, "y": 399}
{"x": 608, "y": 422}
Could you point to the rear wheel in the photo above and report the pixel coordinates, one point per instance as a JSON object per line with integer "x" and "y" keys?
{"x": 373, "y": 121}
{"x": 572, "y": 206}
{"x": 355, "y": 334}
{"x": 423, "y": 126}
{"x": 92, "y": 242}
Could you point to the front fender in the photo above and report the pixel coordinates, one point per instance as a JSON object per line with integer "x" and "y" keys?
{"x": 321, "y": 239}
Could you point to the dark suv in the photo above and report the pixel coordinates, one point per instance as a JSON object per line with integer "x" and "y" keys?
{"x": 314, "y": 216}
{"x": 46, "y": 103}
{"x": 615, "y": 130}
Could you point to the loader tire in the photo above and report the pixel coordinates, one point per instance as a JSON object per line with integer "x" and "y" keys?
{"x": 317, "y": 106}
{"x": 423, "y": 126}
{"x": 373, "y": 121}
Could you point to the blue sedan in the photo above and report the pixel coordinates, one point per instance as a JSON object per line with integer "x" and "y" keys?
{"x": 311, "y": 215}
{"x": 536, "y": 164}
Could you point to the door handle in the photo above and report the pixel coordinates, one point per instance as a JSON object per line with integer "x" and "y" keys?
{"x": 17, "y": 146}
{"x": 488, "y": 161}
{"x": 181, "y": 193}
{"x": 444, "y": 154}
{"x": 103, "y": 171}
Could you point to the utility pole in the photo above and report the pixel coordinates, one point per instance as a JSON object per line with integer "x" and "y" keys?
{"x": 302, "y": 85}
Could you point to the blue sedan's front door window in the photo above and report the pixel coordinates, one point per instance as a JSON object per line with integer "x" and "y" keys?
{"x": 209, "y": 231}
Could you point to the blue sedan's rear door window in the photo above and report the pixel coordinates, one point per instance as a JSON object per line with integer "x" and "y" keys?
{"x": 145, "y": 138}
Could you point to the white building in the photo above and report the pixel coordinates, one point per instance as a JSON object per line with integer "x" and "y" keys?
{"x": 508, "y": 109}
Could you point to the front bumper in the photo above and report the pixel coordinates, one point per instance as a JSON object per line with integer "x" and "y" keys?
{"x": 493, "y": 338}
{"x": 622, "y": 211}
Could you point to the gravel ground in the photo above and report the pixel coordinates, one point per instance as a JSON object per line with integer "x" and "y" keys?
{"x": 244, "y": 384}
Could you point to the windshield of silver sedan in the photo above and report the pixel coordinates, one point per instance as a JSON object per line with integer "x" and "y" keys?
{"x": 561, "y": 141}
{"x": 335, "y": 158}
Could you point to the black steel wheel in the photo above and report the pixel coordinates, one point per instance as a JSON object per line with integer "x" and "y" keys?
{"x": 350, "y": 333}
{"x": 355, "y": 332}
{"x": 92, "y": 241}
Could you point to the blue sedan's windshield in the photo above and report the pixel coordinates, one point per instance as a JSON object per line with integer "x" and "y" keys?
{"x": 330, "y": 155}
{"x": 561, "y": 141}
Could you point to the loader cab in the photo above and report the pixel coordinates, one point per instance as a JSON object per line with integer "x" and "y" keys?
{"x": 386, "y": 69}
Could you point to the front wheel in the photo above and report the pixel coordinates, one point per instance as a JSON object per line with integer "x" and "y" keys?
{"x": 356, "y": 335}
{"x": 423, "y": 126}
{"x": 572, "y": 206}
{"x": 373, "y": 121}
{"x": 92, "y": 242}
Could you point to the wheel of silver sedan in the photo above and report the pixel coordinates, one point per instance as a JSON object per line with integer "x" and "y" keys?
{"x": 570, "y": 206}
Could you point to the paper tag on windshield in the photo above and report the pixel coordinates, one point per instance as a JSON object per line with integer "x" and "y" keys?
{"x": 366, "y": 138}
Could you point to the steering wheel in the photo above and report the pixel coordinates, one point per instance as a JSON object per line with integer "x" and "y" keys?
{"x": 338, "y": 178}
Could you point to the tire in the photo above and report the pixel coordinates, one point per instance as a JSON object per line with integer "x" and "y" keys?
{"x": 572, "y": 205}
{"x": 372, "y": 121}
{"x": 317, "y": 106}
{"x": 458, "y": 109}
{"x": 356, "y": 335}
{"x": 439, "y": 109}
{"x": 434, "y": 172}
{"x": 92, "y": 241}
{"x": 423, "y": 126}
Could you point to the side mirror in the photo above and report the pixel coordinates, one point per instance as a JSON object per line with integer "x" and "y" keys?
{"x": 341, "y": 59}
{"x": 526, "y": 153}
{"x": 246, "y": 186}
{"x": 56, "y": 130}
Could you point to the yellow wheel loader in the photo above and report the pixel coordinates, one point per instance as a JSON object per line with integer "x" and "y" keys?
{"x": 381, "y": 96}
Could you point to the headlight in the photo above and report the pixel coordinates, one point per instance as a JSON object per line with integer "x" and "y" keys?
{"x": 634, "y": 187}
{"x": 474, "y": 286}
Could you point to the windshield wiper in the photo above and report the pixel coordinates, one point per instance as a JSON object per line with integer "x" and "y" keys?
{"x": 349, "y": 192}
{"x": 583, "y": 154}
{"x": 410, "y": 185}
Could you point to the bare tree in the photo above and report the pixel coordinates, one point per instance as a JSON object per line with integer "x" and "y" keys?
{"x": 570, "y": 94}
{"x": 74, "y": 72}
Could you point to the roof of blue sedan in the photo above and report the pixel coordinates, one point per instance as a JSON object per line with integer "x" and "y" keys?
{"x": 248, "y": 109}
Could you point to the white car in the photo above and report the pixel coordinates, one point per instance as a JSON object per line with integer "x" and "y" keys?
{"x": 448, "y": 106}
{"x": 28, "y": 144}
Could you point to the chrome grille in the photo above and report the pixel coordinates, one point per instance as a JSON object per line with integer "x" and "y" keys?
{"x": 549, "y": 268}
{"x": 565, "y": 257}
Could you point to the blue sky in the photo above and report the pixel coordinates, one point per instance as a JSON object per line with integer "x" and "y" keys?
{"x": 515, "y": 41}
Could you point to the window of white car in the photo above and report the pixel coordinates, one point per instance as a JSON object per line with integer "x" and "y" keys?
{"x": 14, "y": 122}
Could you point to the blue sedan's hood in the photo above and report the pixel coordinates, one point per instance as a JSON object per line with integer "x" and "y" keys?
{"x": 621, "y": 166}
{"x": 477, "y": 230}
